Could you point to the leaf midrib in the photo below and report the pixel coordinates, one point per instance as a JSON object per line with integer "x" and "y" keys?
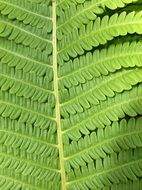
{"x": 57, "y": 106}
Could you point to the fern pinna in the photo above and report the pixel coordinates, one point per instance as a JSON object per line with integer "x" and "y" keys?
{"x": 70, "y": 94}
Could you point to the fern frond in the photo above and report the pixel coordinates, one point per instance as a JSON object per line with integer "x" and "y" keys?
{"x": 23, "y": 60}
{"x": 100, "y": 62}
{"x": 74, "y": 16}
{"x": 70, "y": 94}
{"x": 19, "y": 35}
{"x": 27, "y": 110}
{"x": 9, "y": 165}
{"x": 91, "y": 93}
{"x": 33, "y": 55}
{"x": 8, "y": 183}
{"x": 112, "y": 169}
{"x": 119, "y": 136}
{"x": 15, "y": 9}
{"x": 10, "y": 59}
{"x": 25, "y": 130}
{"x": 33, "y": 30}
{"x": 99, "y": 32}
{"x": 133, "y": 185}
{"x": 63, "y": 4}
{"x": 27, "y": 90}
{"x": 20, "y": 142}
{"x": 126, "y": 103}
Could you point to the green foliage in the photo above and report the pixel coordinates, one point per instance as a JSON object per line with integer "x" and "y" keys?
{"x": 70, "y": 95}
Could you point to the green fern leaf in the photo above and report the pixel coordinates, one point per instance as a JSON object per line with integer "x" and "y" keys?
{"x": 70, "y": 95}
